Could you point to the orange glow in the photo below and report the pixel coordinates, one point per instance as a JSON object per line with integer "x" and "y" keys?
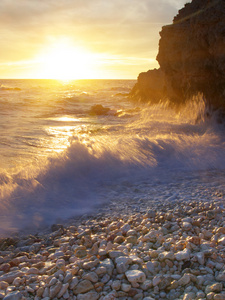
{"x": 63, "y": 60}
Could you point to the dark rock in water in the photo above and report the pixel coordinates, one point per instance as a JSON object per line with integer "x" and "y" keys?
{"x": 191, "y": 57}
{"x": 98, "y": 110}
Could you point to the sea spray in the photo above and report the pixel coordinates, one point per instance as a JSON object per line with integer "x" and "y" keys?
{"x": 74, "y": 163}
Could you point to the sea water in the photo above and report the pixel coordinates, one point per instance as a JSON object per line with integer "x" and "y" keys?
{"x": 70, "y": 147}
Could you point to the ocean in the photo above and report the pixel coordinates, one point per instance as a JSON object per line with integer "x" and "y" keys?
{"x": 68, "y": 148}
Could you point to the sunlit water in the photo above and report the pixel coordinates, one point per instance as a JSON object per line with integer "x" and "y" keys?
{"x": 59, "y": 158}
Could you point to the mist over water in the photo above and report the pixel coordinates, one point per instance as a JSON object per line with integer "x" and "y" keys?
{"x": 62, "y": 156}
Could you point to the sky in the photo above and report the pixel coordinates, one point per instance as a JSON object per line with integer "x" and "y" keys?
{"x": 81, "y": 38}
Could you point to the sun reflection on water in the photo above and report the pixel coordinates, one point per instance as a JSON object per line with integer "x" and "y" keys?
{"x": 62, "y": 134}
{"x": 66, "y": 119}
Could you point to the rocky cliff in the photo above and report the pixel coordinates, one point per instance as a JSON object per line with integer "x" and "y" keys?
{"x": 191, "y": 57}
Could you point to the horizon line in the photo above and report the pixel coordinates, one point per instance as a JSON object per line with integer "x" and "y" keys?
{"x": 68, "y": 79}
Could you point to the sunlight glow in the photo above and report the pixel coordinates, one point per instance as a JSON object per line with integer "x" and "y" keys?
{"x": 63, "y": 60}
{"x": 65, "y": 119}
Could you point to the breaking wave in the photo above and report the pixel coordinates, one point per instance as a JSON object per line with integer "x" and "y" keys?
{"x": 110, "y": 159}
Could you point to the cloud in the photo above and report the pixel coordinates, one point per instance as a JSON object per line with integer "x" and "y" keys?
{"x": 120, "y": 27}
{"x": 34, "y": 14}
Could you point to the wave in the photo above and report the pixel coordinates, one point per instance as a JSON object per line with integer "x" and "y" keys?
{"x": 153, "y": 147}
{"x": 8, "y": 88}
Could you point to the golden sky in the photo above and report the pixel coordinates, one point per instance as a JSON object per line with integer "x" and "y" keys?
{"x": 81, "y": 38}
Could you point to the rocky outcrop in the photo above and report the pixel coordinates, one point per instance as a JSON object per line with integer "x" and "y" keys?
{"x": 150, "y": 86}
{"x": 191, "y": 56}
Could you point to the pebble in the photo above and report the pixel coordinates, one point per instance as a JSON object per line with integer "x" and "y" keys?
{"x": 166, "y": 253}
{"x": 83, "y": 286}
{"x": 14, "y": 296}
{"x": 183, "y": 255}
{"x": 135, "y": 276}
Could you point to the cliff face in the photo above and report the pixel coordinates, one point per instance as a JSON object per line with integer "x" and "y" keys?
{"x": 192, "y": 55}
{"x": 150, "y": 86}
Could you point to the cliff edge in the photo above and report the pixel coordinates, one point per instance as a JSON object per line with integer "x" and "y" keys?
{"x": 191, "y": 57}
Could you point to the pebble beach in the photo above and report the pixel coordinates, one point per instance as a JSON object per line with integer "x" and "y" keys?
{"x": 175, "y": 251}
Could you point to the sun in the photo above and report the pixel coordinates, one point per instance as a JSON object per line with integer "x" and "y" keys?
{"x": 63, "y": 60}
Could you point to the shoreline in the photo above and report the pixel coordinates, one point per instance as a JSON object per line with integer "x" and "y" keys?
{"x": 144, "y": 250}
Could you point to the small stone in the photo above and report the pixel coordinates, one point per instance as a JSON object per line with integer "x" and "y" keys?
{"x": 108, "y": 264}
{"x": 156, "y": 280}
{"x": 131, "y": 232}
{"x": 174, "y": 285}
{"x": 33, "y": 271}
{"x": 46, "y": 293}
{"x": 101, "y": 270}
{"x": 184, "y": 280}
{"x": 211, "y": 214}
{"x": 13, "y": 296}
{"x": 64, "y": 288}
{"x": 9, "y": 277}
{"x": 68, "y": 277}
{"x": 121, "y": 268}
{"x": 83, "y": 287}
{"x": 131, "y": 239}
{"x": 92, "y": 276}
{"x": 119, "y": 239}
{"x": 116, "y": 285}
{"x": 90, "y": 264}
{"x": 221, "y": 241}
{"x": 219, "y": 266}
{"x": 40, "y": 291}
{"x": 81, "y": 252}
{"x": 135, "y": 276}
{"x": 150, "y": 266}
{"x": 147, "y": 284}
{"x": 221, "y": 276}
{"x": 92, "y": 295}
{"x": 29, "y": 289}
{"x": 105, "y": 278}
{"x": 3, "y": 285}
{"x": 123, "y": 259}
{"x": 165, "y": 282}
{"x": 53, "y": 281}
{"x": 151, "y": 213}
{"x": 220, "y": 230}
{"x": 182, "y": 255}
{"x": 220, "y": 296}
{"x": 111, "y": 296}
{"x": 194, "y": 240}
{"x": 125, "y": 228}
{"x": 189, "y": 296}
{"x": 65, "y": 296}
{"x": 166, "y": 255}
{"x": 5, "y": 267}
{"x": 132, "y": 293}
{"x": 125, "y": 287}
{"x": 115, "y": 253}
{"x": 200, "y": 295}
{"x": 55, "y": 289}
{"x": 74, "y": 283}
{"x": 187, "y": 226}
{"x": 200, "y": 257}
{"x": 210, "y": 296}
{"x": 215, "y": 287}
